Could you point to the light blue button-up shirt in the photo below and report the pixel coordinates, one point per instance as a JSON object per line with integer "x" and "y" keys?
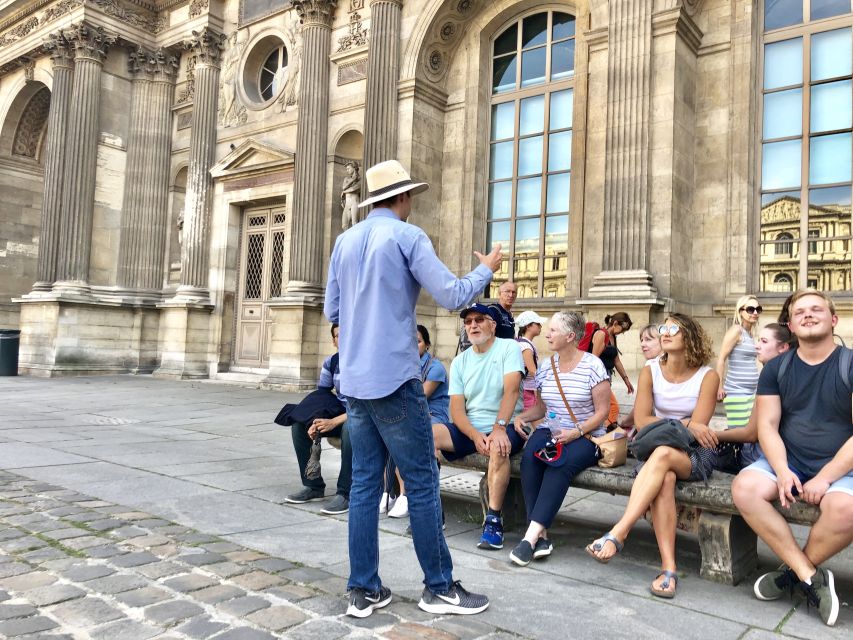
{"x": 376, "y": 273}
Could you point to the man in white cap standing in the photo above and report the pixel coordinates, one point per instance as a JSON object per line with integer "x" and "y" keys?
{"x": 376, "y": 273}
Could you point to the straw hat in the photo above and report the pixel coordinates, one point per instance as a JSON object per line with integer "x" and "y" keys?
{"x": 387, "y": 179}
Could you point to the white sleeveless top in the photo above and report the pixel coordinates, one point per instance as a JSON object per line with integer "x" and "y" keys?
{"x": 675, "y": 400}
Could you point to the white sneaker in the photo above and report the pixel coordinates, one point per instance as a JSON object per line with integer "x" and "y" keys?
{"x": 386, "y": 503}
{"x": 400, "y": 508}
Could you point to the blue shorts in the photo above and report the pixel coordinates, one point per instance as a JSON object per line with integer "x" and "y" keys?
{"x": 842, "y": 485}
{"x": 464, "y": 446}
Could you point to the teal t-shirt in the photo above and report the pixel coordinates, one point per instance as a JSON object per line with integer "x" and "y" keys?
{"x": 480, "y": 378}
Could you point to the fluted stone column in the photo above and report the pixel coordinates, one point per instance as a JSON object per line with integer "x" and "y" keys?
{"x": 145, "y": 208}
{"x": 206, "y": 47}
{"x": 62, "y": 57}
{"x": 383, "y": 72}
{"x": 309, "y": 188}
{"x": 626, "y": 201}
{"x": 81, "y": 149}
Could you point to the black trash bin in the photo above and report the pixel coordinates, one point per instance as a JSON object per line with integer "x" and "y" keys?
{"x": 10, "y": 339}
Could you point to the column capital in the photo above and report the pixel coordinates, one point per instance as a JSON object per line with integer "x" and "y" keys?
{"x": 206, "y": 46}
{"x": 161, "y": 64}
{"x": 89, "y": 41}
{"x": 316, "y": 12}
{"x": 61, "y": 51}
{"x": 399, "y": 3}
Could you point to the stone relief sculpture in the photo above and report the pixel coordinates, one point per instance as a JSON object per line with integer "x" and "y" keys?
{"x": 294, "y": 64}
{"x": 350, "y": 190}
{"x": 231, "y": 111}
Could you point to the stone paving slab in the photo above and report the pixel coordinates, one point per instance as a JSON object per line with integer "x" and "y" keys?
{"x": 163, "y": 503}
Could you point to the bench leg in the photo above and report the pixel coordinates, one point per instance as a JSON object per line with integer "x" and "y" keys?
{"x": 514, "y": 512}
{"x": 729, "y": 548}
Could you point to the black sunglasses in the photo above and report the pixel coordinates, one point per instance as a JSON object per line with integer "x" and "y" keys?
{"x": 750, "y": 310}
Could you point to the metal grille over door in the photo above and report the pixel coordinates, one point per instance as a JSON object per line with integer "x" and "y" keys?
{"x": 261, "y": 279}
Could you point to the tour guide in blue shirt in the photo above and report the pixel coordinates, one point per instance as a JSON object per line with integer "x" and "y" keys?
{"x": 376, "y": 273}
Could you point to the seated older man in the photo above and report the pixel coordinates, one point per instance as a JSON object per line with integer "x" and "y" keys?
{"x": 485, "y": 395}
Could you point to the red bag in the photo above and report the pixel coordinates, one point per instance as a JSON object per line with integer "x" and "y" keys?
{"x": 585, "y": 343}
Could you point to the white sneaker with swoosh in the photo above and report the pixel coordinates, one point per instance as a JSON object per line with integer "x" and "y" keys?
{"x": 456, "y": 600}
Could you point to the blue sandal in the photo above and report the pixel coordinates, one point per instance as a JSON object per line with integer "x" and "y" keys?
{"x": 663, "y": 591}
{"x": 598, "y": 545}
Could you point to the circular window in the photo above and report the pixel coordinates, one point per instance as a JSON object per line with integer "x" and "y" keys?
{"x": 272, "y": 74}
{"x": 264, "y": 71}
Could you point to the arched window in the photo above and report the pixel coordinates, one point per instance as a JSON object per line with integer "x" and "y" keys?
{"x": 783, "y": 283}
{"x": 784, "y": 244}
{"x": 530, "y": 147}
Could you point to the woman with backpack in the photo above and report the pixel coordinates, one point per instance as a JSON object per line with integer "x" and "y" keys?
{"x": 601, "y": 341}
{"x": 529, "y": 326}
{"x": 678, "y": 386}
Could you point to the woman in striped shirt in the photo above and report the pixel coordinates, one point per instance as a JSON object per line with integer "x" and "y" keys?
{"x": 738, "y": 355}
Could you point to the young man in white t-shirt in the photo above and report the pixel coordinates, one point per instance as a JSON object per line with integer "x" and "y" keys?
{"x": 485, "y": 395}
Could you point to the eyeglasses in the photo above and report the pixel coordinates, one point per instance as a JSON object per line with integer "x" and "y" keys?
{"x": 469, "y": 320}
{"x": 752, "y": 310}
{"x": 671, "y": 329}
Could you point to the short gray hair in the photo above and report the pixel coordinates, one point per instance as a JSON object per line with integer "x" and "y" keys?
{"x": 570, "y": 322}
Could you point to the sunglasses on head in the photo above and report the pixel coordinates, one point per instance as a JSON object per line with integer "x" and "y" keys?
{"x": 625, "y": 325}
{"x": 671, "y": 329}
{"x": 751, "y": 310}
{"x": 550, "y": 452}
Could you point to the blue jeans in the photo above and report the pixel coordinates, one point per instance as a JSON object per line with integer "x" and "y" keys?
{"x": 399, "y": 425}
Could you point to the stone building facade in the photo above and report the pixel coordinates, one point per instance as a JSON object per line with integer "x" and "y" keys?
{"x": 171, "y": 170}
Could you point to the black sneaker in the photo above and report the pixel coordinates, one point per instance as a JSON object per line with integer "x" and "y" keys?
{"x": 542, "y": 548}
{"x": 362, "y": 604}
{"x": 522, "y": 554}
{"x": 307, "y": 494}
{"x": 336, "y": 506}
{"x": 457, "y": 600}
{"x": 821, "y": 595}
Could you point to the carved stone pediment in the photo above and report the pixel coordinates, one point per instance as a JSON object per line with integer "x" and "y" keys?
{"x": 252, "y": 157}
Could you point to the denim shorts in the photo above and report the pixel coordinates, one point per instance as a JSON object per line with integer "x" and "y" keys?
{"x": 842, "y": 485}
{"x": 464, "y": 446}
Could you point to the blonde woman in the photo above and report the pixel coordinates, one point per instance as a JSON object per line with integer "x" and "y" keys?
{"x": 736, "y": 363}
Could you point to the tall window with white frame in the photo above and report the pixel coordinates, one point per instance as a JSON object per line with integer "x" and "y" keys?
{"x": 530, "y": 151}
{"x": 807, "y": 145}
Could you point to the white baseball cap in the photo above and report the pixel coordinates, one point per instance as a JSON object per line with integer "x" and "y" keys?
{"x": 529, "y": 317}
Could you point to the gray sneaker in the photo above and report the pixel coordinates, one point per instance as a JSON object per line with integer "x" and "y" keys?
{"x": 456, "y": 600}
{"x": 542, "y": 548}
{"x": 775, "y": 584}
{"x": 307, "y": 494}
{"x": 522, "y": 554}
{"x": 821, "y": 594}
{"x": 336, "y": 506}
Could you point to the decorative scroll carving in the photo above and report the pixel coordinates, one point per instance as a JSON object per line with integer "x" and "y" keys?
{"x": 60, "y": 9}
{"x": 188, "y": 92}
{"x": 357, "y": 36}
{"x": 61, "y": 51}
{"x": 206, "y": 46}
{"x": 318, "y": 12}
{"x": 89, "y": 41}
{"x": 444, "y": 36}
{"x": 231, "y": 111}
{"x": 197, "y": 7}
{"x": 31, "y": 126}
{"x": 19, "y": 32}
{"x": 150, "y": 23}
{"x": 356, "y": 5}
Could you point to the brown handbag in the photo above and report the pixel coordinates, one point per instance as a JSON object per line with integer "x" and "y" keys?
{"x": 612, "y": 446}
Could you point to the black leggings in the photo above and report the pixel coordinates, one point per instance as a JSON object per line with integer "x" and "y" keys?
{"x": 544, "y": 486}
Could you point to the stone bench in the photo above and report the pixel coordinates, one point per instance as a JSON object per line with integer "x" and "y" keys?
{"x": 728, "y": 545}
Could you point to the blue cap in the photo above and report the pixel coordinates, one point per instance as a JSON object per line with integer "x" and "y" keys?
{"x": 480, "y": 308}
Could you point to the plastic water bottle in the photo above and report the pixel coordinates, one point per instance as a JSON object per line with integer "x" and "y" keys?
{"x": 553, "y": 424}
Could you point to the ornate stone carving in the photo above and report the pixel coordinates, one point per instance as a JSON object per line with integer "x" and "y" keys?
{"x": 357, "y": 36}
{"x": 29, "y": 66}
{"x": 443, "y": 36}
{"x": 61, "y": 51}
{"x": 28, "y": 135}
{"x": 206, "y": 46}
{"x": 150, "y": 23}
{"x": 188, "y": 92}
{"x": 19, "y": 32}
{"x": 161, "y": 63}
{"x": 318, "y": 12}
{"x": 197, "y": 7}
{"x": 356, "y": 5}
{"x": 231, "y": 111}
{"x": 290, "y": 94}
{"x": 89, "y": 41}
{"x": 350, "y": 189}
{"x": 60, "y": 9}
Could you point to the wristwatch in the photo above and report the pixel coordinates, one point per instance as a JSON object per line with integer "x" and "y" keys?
{"x": 501, "y": 423}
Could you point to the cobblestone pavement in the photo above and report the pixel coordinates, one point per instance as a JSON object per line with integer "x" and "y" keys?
{"x": 133, "y": 507}
{"x": 73, "y": 566}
